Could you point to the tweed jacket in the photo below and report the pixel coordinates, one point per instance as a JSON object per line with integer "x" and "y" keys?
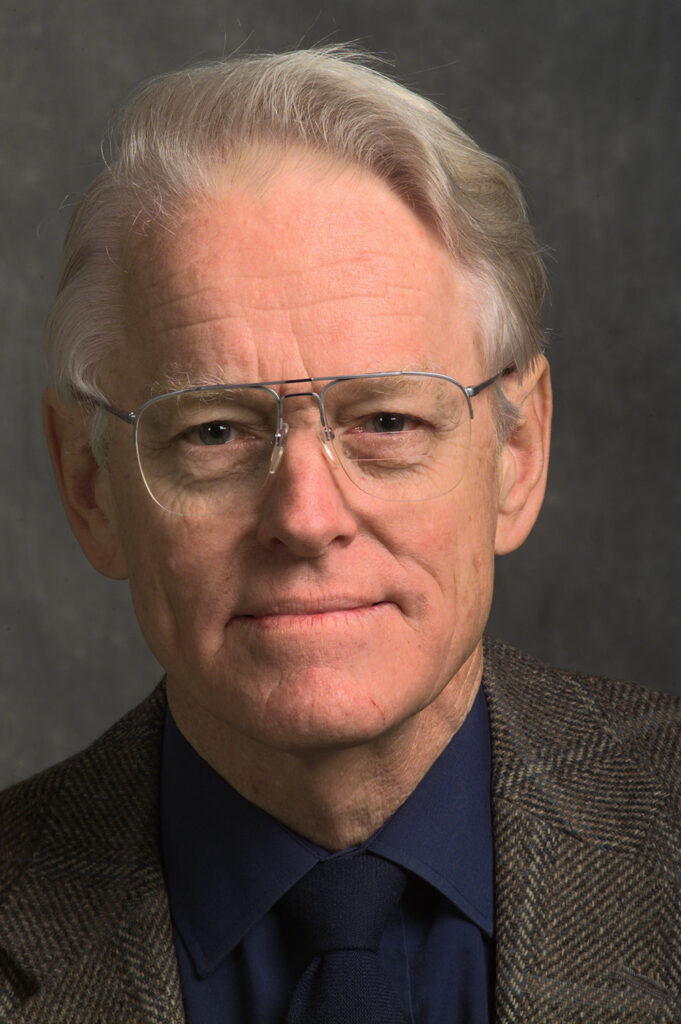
{"x": 587, "y": 816}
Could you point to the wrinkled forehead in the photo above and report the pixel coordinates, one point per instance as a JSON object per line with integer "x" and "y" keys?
{"x": 304, "y": 211}
{"x": 319, "y": 268}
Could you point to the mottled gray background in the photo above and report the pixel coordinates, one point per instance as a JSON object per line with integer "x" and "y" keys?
{"x": 583, "y": 98}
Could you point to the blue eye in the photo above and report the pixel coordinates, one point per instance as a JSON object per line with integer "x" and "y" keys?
{"x": 217, "y": 432}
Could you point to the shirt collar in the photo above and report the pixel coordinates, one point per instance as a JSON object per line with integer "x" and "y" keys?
{"x": 227, "y": 862}
{"x": 443, "y": 831}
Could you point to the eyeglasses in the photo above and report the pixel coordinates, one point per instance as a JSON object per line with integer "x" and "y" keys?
{"x": 399, "y": 436}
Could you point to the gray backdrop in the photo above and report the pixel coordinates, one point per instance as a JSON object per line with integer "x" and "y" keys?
{"x": 583, "y": 99}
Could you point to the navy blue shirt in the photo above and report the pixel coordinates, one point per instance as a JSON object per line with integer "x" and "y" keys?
{"x": 227, "y": 863}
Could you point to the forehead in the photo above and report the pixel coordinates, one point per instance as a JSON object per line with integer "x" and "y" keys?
{"x": 321, "y": 270}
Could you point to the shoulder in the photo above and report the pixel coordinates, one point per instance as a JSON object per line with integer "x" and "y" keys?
{"x": 574, "y": 733}
{"x": 109, "y": 787}
{"x": 553, "y": 704}
{"x": 586, "y": 802}
{"x": 84, "y": 918}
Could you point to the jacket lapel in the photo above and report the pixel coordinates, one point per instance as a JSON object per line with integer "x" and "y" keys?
{"x": 584, "y": 889}
{"x": 85, "y": 929}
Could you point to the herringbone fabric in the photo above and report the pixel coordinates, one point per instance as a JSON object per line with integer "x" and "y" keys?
{"x": 587, "y": 827}
{"x": 85, "y": 932}
{"x": 587, "y": 830}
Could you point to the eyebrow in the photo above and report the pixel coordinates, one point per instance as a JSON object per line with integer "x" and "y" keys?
{"x": 175, "y": 379}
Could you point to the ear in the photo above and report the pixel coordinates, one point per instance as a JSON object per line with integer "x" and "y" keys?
{"x": 524, "y": 460}
{"x": 84, "y": 486}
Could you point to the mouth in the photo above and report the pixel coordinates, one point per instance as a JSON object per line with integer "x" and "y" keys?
{"x": 310, "y": 606}
{"x": 302, "y": 615}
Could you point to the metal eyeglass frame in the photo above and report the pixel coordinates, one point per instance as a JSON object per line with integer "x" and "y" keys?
{"x": 279, "y": 438}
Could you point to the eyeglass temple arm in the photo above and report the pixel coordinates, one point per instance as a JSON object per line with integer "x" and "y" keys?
{"x": 127, "y": 417}
{"x": 474, "y": 389}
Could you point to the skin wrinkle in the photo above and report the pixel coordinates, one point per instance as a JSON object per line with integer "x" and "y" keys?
{"x": 244, "y": 310}
{"x": 343, "y": 296}
{"x": 178, "y": 378}
{"x": 329, "y": 727}
{"x": 331, "y": 264}
{"x": 170, "y": 303}
{"x": 244, "y": 307}
{"x": 371, "y": 786}
{"x": 344, "y": 243}
{"x": 242, "y": 314}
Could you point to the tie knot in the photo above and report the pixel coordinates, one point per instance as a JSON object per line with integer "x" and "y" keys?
{"x": 344, "y": 902}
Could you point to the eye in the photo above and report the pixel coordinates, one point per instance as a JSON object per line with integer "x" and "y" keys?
{"x": 216, "y": 432}
{"x": 389, "y": 422}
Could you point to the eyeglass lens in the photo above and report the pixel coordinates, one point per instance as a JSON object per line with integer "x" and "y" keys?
{"x": 397, "y": 437}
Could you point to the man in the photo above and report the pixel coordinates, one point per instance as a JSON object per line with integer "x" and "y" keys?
{"x": 299, "y": 400}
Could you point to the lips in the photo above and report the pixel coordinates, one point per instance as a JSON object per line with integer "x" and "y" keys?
{"x": 312, "y": 621}
{"x": 309, "y": 606}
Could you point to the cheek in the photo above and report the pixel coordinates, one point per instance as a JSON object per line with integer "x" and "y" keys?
{"x": 456, "y": 539}
{"x": 184, "y": 580}
{"x": 465, "y": 567}
{"x": 454, "y": 548}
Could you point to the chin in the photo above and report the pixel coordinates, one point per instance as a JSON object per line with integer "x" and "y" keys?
{"x": 322, "y": 716}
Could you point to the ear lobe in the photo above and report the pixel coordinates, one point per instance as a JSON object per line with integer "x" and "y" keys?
{"x": 84, "y": 487}
{"x": 524, "y": 460}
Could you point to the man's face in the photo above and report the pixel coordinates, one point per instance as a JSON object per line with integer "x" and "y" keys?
{"x": 315, "y": 615}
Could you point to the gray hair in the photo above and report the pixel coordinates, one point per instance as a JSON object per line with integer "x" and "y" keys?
{"x": 179, "y": 132}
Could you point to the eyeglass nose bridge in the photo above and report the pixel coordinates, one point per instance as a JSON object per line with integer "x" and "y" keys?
{"x": 326, "y": 434}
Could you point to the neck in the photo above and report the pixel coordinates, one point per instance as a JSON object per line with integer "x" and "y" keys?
{"x": 336, "y": 797}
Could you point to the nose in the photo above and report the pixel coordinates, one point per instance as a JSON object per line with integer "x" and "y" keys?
{"x": 304, "y": 507}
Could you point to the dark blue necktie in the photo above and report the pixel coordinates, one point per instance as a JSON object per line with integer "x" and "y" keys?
{"x": 341, "y": 908}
